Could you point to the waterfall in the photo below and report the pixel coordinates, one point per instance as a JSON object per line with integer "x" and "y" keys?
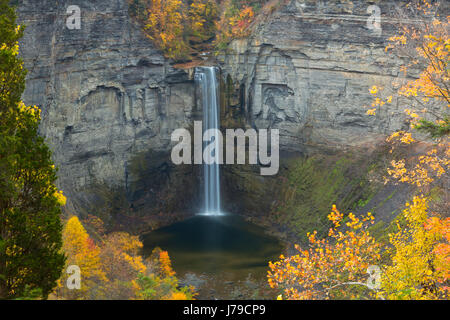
{"x": 206, "y": 78}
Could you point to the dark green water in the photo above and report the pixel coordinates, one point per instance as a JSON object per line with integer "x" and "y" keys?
{"x": 216, "y": 245}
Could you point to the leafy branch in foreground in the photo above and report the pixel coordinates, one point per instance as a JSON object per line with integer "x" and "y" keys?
{"x": 329, "y": 267}
{"x": 415, "y": 264}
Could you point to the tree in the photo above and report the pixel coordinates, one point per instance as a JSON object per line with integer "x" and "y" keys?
{"x": 420, "y": 255}
{"x": 164, "y": 25}
{"x": 241, "y": 22}
{"x": 84, "y": 253}
{"x": 419, "y": 251}
{"x": 113, "y": 267}
{"x": 202, "y": 16}
{"x": 330, "y": 267}
{"x": 425, "y": 45}
{"x": 415, "y": 263}
{"x": 122, "y": 263}
{"x": 234, "y": 22}
{"x": 30, "y": 204}
{"x": 160, "y": 283}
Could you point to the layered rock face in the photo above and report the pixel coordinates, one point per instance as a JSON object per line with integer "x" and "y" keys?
{"x": 106, "y": 93}
{"x": 108, "y": 96}
{"x": 308, "y": 70}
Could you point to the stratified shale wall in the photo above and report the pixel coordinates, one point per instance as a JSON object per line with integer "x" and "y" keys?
{"x": 307, "y": 71}
{"x": 109, "y": 97}
{"x": 106, "y": 93}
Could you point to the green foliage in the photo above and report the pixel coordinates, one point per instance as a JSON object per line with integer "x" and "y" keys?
{"x": 160, "y": 282}
{"x": 313, "y": 185}
{"x": 11, "y": 71}
{"x": 30, "y": 294}
{"x": 435, "y": 130}
{"x": 161, "y": 288}
{"x": 30, "y": 226}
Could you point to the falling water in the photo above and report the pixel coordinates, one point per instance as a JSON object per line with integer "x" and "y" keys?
{"x": 206, "y": 78}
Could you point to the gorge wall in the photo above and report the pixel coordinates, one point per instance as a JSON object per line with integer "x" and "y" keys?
{"x": 106, "y": 93}
{"x": 110, "y": 100}
{"x": 307, "y": 72}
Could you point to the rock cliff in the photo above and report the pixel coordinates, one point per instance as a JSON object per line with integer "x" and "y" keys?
{"x": 106, "y": 93}
{"x": 109, "y": 97}
{"x": 307, "y": 71}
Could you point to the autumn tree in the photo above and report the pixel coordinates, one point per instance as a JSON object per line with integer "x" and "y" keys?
{"x": 160, "y": 283}
{"x": 122, "y": 263}
{"x": 202, "y": 16}
{"x": 423, "y": 90}
{"x": 331, "y": 267}
{"x": 234, "y": 22}
{"x": 30, "y": 204}
{"x": 419, "y": 249}
{"x": 182, "y": 28}
{"x": 420, "y": 255}
{"x": 241, "y": 22}
{"x": 112, "y": 266}
{"x": 415, "y": 264}
{"x": 163, "y": 24}
{"x": 82, "y": 252}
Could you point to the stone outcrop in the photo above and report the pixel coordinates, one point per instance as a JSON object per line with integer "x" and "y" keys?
{"x": 307, "y": 71}
{"x": 106, "y": 93}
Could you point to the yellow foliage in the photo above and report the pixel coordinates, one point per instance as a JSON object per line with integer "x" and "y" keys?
{"x": 165, "y": 263}
{"x": 434, "y": 164}
{"x": 80, "y": 251}
{"x": 164, "y": 25}
{"x": 329, "y": 266}
{"x": 108, "y": 270}
{"x": 177, "y": 296}
{"x": 120, "y": 256}
{"x": 235, "y": 22}
{"x": 427, "y": 47}
{"x": 60, "y": 198}
{"x": 420, "y": 256}
{"x": 202, "y": 15}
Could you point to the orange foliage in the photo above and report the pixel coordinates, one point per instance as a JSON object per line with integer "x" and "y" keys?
{"x": 441, "y": 228}
{"x": 164, "y": 25}
{"x": 177, "y": 296}
{"x": 329, "y": 266}
{"x": 241, "y": 22}
{"x": 166, "y": 265}
{"x": 430, "y": 166}
{"x": 115, "y": 269}
{"x": 120, "y": 256}
{"x": 84, "y": 253}
{"x": 234, "y": 23}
